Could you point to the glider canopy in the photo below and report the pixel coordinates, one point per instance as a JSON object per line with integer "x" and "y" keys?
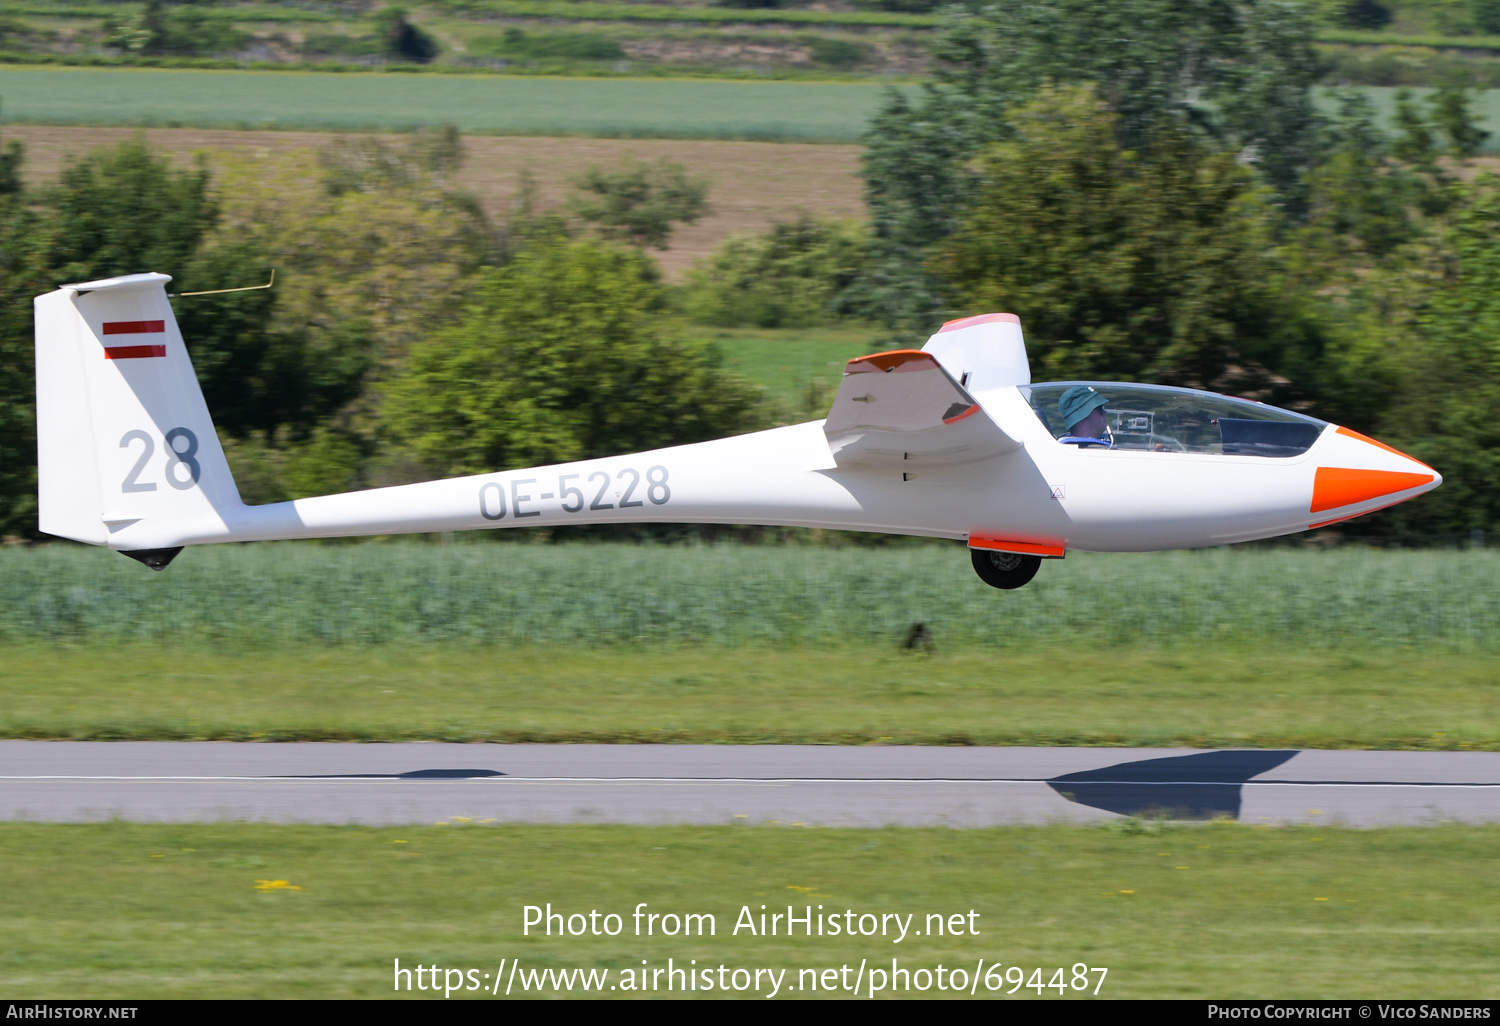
{"x": 1158, "y": 418}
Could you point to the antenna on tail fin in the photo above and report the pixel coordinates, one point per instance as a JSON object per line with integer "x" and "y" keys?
{"x": 127, "y": 455}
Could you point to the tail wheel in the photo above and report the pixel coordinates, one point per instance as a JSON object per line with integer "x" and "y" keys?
{"x": 1004, "y": 569}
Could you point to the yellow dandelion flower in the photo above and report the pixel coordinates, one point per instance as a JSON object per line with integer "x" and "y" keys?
{"x": 1127, "y": 892}
{"x": 1320, "y": 899}
{"x": 276, "y": 885}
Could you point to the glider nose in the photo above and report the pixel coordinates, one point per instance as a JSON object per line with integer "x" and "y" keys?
{"x": 1359, "y": 475}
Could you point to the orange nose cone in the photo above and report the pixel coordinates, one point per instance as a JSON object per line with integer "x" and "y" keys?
{"x": 1336, "y": 487}
{"x": 1343, "y": 486}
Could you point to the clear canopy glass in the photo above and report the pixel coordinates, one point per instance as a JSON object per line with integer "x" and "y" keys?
{"x": 1157, "y": 418}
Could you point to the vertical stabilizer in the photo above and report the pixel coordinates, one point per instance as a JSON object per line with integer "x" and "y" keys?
{"x": 125, "y": 444}
{"x": 982, "y": 352}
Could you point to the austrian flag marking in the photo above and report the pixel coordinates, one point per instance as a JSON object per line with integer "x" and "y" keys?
{"x": 134, "y": 328}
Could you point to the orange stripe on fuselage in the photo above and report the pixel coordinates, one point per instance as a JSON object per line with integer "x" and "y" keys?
{"x": 979, "y": 541}
{"x": 1335, "y": 487}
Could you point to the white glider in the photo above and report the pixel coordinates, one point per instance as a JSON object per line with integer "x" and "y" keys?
{"x": 950, "y": 441}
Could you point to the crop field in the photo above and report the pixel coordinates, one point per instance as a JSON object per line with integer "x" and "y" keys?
{"x": 505, "y": 591}
{"x": 613, "y": 642}
{"x": 484, "y": 104}
{"x": 479, "y": 104}
{"x": 1225, "y": 911}
{"x": 1486, "y": 108}
{"x": 752, "y": 184}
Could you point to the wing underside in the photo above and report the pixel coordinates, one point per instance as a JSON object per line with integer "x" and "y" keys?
{"x": 903, "y": 410}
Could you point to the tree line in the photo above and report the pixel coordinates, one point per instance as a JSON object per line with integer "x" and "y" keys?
{"x": 1147, "y": 183}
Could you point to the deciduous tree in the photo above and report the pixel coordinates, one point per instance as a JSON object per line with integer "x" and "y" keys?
{"x": 1150, "y": 263}
{"x": 556, "y": 358}
{"x": 1235, "y": 73}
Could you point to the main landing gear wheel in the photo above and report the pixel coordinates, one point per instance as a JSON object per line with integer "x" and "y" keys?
{"x": 1004, "y": 569}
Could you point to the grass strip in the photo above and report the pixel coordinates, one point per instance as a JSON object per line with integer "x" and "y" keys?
{"x": 495, "y": 589}
{"x": 583, "y": 10}
{"x": 246, "y": 13}
{"x": 1209, "y": 698}
{"x": 118, "y": 910}
{"x": 1357, "y": 38}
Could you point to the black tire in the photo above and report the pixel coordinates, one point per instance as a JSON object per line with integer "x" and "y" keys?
{"x": 1005, "y": 570}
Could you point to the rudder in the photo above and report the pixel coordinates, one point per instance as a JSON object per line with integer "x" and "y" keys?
{"x": 127, "y": 455}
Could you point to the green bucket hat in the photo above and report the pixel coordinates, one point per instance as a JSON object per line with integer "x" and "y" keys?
{"x": 1078, "y": 402}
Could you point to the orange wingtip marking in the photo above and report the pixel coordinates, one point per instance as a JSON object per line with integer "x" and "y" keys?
{"x": 969, "y": 322}
{"x": 1334, "y": 487}
{"x": 979, "y": 541}
{"x": 967, "y": 413}
{"x": 1378, "y": 445}
{"x": 895, "y": 360}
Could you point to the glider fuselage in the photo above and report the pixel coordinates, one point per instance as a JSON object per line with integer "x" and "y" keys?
{"x": 951, "y": 441}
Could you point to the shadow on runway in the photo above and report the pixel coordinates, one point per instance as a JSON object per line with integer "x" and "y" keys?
{"x": 1201, "y": 786}
{"x": 426, "y": 774}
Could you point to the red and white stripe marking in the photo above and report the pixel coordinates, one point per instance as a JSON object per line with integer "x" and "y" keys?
{"x": 134, "y": 328}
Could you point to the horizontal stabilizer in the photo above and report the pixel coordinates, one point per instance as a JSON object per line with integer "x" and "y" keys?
{"x": 903, "y": 409}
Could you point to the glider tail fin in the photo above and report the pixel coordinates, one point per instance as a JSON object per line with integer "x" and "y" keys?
{"x": 982, "y": 352}
{"x": 126, "y": 451}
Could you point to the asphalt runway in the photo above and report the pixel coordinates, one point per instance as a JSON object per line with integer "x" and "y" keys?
{"x": 377, "y": 784}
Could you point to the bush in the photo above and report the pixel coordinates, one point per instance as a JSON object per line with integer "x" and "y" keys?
{"x": 1364, "y": 14}
{"x": 789, "y": 277}
{"x": 518, "y": 45}
{"x": 837, "y": 53}
{"x": 1486, "y": 14}
{"x": 639, "y": 203}
{"x": 903, "y": 6}
{"x": 155, "y": 31}
{"x": 402, "y": 39}
{"x": 342, "y": 46}
{"x": 556, "y": 360}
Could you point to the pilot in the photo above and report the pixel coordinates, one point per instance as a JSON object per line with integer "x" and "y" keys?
{"x": 1082, "y": 411}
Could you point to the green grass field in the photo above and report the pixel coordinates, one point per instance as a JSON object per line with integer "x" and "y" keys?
{"x": 800, "y": 369}
{"x": 505, "y": 591}
{"x": 732, "y": 643}
{"x": 483, "y": 104}
{"x": 149, "y": 911}
{"x": 843, "y": 694}
{"x": 582, "y": 10}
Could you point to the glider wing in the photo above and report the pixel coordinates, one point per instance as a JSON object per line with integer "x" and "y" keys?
{"x": 903, "y": 409}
